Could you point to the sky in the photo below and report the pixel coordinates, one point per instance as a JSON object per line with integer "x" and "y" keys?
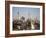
{"x": 26, "y": 12}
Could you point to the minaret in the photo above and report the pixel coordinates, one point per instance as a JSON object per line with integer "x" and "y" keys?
{"x": 29, "y": 15}
{"x": 18, "y": 14}
{"x": 35, "y": 19}
{"x": 29, "y": 20}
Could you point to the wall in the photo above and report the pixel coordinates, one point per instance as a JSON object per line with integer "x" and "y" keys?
{"x": 2, "y": 19}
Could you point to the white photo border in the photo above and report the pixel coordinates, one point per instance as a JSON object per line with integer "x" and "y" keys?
{"x": 26, "y": 31}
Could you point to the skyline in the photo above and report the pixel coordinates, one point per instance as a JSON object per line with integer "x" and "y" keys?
{"x": 26, "y": 12}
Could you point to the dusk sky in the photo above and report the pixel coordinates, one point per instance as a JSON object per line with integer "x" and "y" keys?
{"x": 23, "y": 11}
